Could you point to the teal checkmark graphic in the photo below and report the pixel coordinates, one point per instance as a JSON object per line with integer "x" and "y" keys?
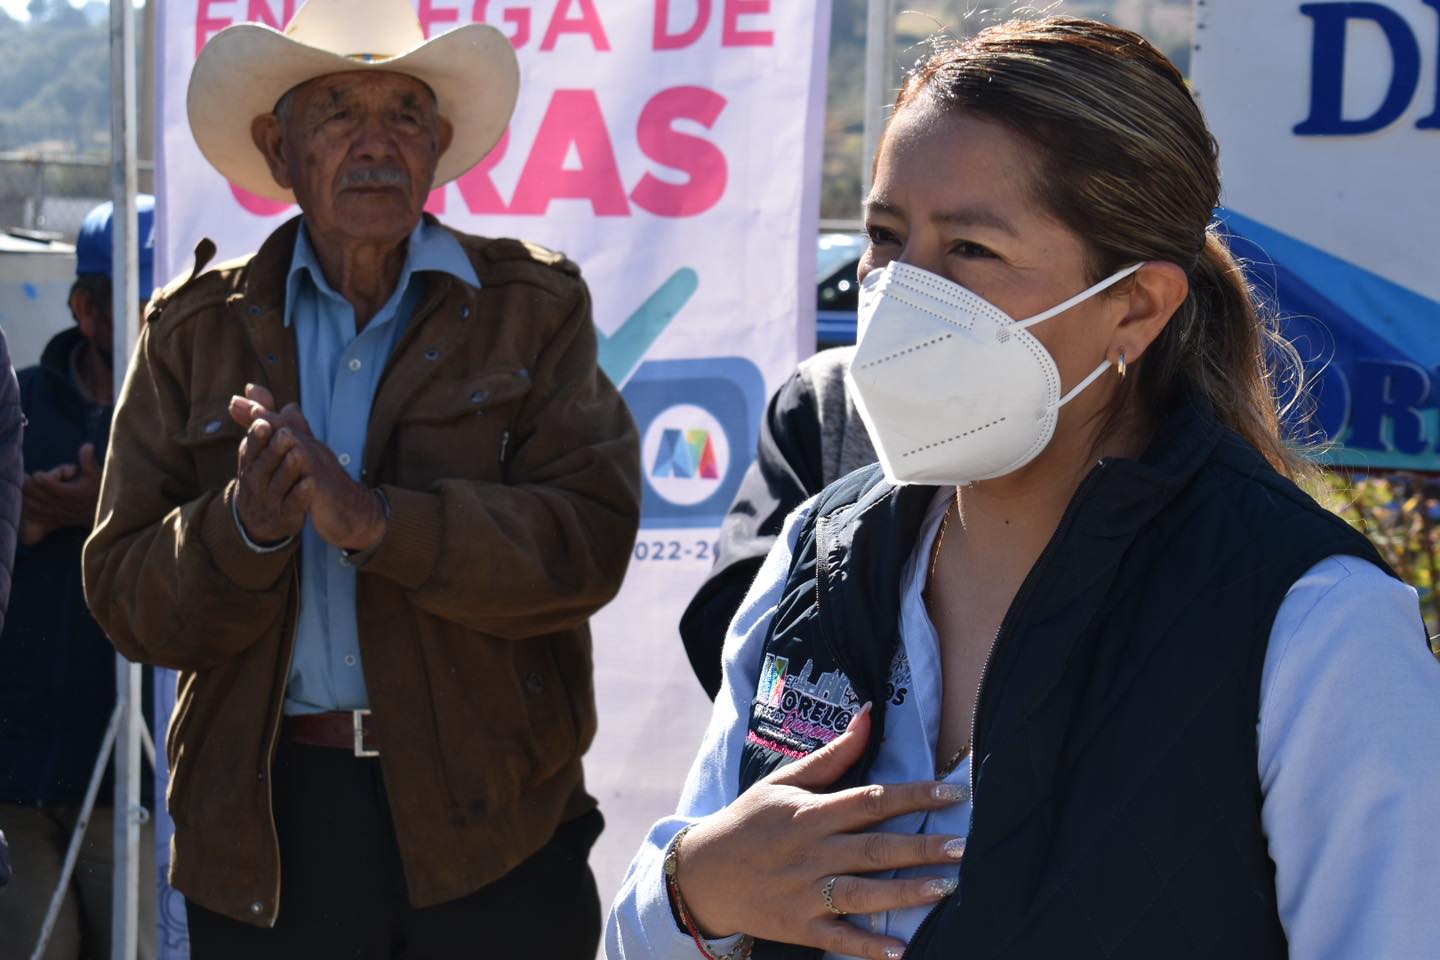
{"x": 622, "y": 351}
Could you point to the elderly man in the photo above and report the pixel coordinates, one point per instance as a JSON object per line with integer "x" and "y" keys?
{"x": 364, "y": 490}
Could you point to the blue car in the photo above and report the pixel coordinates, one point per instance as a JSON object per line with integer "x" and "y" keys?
{"x": 837, "y": 293}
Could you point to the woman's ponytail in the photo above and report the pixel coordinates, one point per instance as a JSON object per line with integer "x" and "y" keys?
{"x": 1220, "y": 346}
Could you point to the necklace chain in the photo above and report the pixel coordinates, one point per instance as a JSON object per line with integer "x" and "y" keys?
{"x": 943, "y": 770}
{"x": 940, "y": 537}
{"x": 948, "y": 767}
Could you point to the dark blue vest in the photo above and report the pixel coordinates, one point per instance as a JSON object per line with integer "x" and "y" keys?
{"x": 1117, "y": 803}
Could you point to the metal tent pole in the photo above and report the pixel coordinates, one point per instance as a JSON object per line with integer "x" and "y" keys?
{"x": 124, "y": 941}
{"x": 146, "y": 124}
{"x": 77, "y": 837}
{"x": 879, "y": 39}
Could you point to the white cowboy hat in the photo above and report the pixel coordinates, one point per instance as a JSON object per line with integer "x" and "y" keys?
{"x": 246, "y": 68}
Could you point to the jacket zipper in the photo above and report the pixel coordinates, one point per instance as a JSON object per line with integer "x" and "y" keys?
{"x": 984, "y": 669}
{"x": 830, "y": 645}
{"x": 1025, "y": 589}
{"x": 275, "y": 722}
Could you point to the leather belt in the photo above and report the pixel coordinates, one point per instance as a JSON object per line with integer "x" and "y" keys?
{"x": 339, "y": 729}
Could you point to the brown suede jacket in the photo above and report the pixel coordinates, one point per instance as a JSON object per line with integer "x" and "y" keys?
{"x": 512, "y": 469}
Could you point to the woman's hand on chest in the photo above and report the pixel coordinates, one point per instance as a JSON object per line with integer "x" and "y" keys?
{"x": 764, "y": 864}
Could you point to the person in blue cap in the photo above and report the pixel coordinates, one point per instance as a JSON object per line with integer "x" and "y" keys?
{"x": 57, "y": 668}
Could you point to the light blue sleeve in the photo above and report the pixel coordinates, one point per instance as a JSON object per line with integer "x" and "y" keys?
{"x": 1350, "y": 767}
{"x": 640, "y": 925}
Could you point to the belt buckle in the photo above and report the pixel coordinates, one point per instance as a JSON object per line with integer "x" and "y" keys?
{"x": 357, "y": 717}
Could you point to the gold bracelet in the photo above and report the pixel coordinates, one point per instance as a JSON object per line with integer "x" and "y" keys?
{"x": 672, "y": 886}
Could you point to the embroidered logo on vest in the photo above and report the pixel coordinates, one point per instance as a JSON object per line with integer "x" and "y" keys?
{"x": 793, "y": 714}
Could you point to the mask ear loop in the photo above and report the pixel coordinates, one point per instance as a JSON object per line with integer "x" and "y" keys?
{"x": 1075, "y": 390}
{"x": 1080, "y": 297}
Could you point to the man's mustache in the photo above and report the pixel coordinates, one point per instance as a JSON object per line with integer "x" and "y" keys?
{"x": 375, "y": 177}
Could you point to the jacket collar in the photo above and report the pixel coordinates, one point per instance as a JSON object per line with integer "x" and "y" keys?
{"x": 265, "y": 278}
{"x": 429, "y": 248}
{"x": 57, "y": 371}
{"x": 1135, "y": 491}
{"x": 55, "y": 359}
{"x": 260, "y": 306}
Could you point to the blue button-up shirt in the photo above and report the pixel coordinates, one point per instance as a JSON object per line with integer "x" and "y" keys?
{"x": 340, "y": 370}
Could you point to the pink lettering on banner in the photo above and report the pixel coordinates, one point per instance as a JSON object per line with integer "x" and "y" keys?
{"x": 430, "y": 15}
{"x": 667, "y": 38}
{"x": 475, "y": 187}
{"x": 207, "y": 24}
{"x": 269, "y": 12}
{"x": 702, "y": 160}
{"x": 587, "y": 22}
{"x": 573, "y": 119}
{"x": 258, "y": 205}
{"x": 574, "y": 126}
{"x": 259, "y": 11}
{"x": 733, "y": 36}
{"x": 517, "y": 17}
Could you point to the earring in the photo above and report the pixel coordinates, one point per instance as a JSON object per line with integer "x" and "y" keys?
{"x": 1120, "y": 367}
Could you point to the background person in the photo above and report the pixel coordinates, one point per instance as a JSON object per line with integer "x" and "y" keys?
{"x": 12, "y": 471}
{"x": 1131, "y": 693}
{"x": 811, "y": 436}
{"x": 374, "y": 569}
{"x": 57, "y": 682}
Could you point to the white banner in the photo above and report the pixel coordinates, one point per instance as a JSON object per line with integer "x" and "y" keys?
{"x": 1328, "y": 119}
{"x": 671, "y": 148}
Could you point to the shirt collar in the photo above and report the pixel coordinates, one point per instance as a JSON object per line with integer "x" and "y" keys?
{"x": 431, "y": 247}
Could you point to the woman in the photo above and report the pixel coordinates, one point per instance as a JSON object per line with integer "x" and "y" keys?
{"x": 1131, "y": 694}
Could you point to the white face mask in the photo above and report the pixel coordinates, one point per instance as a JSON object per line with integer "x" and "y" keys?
{"x": 952, "y": 389}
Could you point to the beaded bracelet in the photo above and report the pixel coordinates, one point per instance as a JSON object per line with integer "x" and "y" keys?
{"x": 672, "y": 886}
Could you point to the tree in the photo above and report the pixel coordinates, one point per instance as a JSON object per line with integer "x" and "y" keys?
{"x": 55, "y": 80}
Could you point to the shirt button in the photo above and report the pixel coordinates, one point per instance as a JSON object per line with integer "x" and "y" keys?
{"x": 257, "y": 908}
{"x": 344, "y": 459}
{"x": 354, "y": 363}
{"x": 350, "y": 661}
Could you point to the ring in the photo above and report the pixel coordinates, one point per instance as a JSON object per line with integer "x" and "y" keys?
{"x": 828, "y": 892}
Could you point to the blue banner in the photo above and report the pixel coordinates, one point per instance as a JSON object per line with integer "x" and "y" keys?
{"x": 1369, "y": 344}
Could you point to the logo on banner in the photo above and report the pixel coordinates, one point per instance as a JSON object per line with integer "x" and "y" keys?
{"x": 687, "y": 454}
{"x": 699, "y": 420}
